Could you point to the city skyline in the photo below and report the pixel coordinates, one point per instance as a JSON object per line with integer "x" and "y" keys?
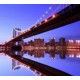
{"x": 32, "y": 32}
{"x": 16, "y": 16}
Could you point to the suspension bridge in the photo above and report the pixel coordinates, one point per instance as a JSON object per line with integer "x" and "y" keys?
{"x": 67, "y": 15}
{"x": 62, "y": 17}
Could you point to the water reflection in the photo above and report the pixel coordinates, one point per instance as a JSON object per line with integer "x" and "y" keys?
{"x": 15, "y": 64}
{"x": 41, "y": 54}
{"x": 51, "y": 53}
{"x": 74, "y": 53}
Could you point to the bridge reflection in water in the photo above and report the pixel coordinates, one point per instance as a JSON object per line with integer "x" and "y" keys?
{"x": 39, "y": 68}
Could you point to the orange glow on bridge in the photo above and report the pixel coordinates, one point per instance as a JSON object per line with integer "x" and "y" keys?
{"x": 46, "y": 20}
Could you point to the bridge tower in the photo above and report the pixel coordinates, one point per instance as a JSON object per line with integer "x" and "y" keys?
{"x": 19, "y": 43}
{"x": 16, "y": 32}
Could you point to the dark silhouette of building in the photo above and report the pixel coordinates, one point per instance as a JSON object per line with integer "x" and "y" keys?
{"x": 39, "y": 42}
{"x": 31, "y": 52}
{"x": 47, "y": 44}
{"x": 52, "y": 54}
{"x": 39, "y": 53}
{"x": 62, "y": 54}
{"x": 30, "y": 43}
{"x": 52, "y": 42}
{"x": 25, "y": 44}
{"x": 62, "y": 42}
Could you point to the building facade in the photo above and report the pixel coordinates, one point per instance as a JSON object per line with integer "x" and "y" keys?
{"x": 39, "y": 42}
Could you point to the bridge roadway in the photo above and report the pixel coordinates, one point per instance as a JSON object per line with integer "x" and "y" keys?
{"x": 39, "y": 67}
{"x": 68, "y": 15}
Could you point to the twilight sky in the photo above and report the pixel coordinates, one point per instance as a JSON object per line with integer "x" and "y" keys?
{"x": 25, "y": 16}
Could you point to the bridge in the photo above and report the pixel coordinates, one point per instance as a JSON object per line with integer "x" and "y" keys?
{"x": 66, "y": 16}
{"x": 37, "y": 67}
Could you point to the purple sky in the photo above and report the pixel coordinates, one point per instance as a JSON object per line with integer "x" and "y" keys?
{"x": 25, "y": 16}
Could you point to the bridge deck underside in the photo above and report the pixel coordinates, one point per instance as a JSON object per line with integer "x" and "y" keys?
{"x": 64, "y": 17}
{"x": 44, "y": 69}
